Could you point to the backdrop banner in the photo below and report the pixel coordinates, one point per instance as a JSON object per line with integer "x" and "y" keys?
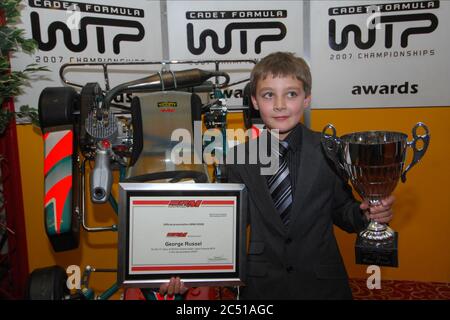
{"x": 380, "y": 53}
{"x": 234, "y": 30}
{"x": 88, "y": 31}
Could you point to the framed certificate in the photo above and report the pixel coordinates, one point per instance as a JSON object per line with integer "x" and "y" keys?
{"x": 194, "y": 231}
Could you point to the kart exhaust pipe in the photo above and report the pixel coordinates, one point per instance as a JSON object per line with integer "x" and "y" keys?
{"x": 168, "y": 80}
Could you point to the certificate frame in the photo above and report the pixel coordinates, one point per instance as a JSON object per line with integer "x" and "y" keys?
{"x": 135, "y": 195}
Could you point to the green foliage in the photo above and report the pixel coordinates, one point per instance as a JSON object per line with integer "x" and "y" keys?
{"x": 31, "y": 113}
{"x": 5, "y": 118}
{"x": 11, "y": 82}
{"x": 10, "y": 7}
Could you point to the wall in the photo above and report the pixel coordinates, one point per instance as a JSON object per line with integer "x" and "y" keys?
{"x": 422, "y": 209}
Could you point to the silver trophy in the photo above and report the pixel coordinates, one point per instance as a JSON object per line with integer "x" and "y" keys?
{"x": 374, "y": 162}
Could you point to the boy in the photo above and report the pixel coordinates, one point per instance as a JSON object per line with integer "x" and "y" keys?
{"x": 293, "y": 253}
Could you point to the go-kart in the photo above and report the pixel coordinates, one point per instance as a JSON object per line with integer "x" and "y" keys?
{"x": 87, "y": 126}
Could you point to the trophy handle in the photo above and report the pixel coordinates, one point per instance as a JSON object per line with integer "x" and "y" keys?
{"x": 331, "y": 145}
{"x": 418, "y": 153}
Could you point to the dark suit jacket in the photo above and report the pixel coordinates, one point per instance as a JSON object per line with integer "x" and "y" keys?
{"x": 303, "y": 260}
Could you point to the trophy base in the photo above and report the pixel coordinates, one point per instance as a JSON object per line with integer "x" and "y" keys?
{"x": 382, "y": 253}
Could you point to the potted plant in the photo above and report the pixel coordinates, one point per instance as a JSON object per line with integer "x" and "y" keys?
{"x": 12, "y": 39}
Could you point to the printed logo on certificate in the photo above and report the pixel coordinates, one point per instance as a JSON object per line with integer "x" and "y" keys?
{"x": 195, "y": 231}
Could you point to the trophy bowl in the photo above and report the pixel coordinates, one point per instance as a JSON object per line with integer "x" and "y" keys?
{"x": 374, "y": 162}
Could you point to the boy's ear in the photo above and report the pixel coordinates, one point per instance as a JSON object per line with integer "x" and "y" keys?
{"x": 307, "y": 102}
{"x": 254, "y": 102}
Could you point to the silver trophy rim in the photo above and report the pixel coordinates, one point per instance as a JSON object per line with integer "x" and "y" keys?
{"x": 348, "y": 136}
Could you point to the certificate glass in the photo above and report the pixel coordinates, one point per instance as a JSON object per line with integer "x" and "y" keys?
{"x": 194, "y": 231}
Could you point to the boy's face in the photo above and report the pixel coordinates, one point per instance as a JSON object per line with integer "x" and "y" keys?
{"x": 281, "y": 102}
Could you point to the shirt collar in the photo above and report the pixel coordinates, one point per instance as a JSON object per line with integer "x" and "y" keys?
{"x": 294, "y": 138}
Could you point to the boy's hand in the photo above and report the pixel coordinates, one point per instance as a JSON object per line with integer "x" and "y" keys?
{"x": 380, "y": 213}
{"x": 174, "y": 286}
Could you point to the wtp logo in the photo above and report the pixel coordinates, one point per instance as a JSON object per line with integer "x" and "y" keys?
{"x": 243, "y": 26}
{"x": 82, "y": 32}
{"x": 389, "y": 22}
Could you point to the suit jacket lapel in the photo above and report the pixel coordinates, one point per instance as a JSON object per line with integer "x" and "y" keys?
{"x": 306, "y": 176}
{"x": 260, "y": 193}
{"x": 263, "y": 199}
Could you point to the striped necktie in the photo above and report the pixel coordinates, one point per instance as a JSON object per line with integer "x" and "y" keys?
{"x": 280, "y": 186}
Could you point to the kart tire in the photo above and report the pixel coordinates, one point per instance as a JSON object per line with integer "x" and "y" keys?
{"x": 49, "y": 283}
{"x": 57, "y": 105}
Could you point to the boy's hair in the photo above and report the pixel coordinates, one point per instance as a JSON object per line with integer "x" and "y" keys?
{"x": 281, "y": 64}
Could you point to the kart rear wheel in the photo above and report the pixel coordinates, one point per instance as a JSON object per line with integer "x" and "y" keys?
{"x": 49, "y": 283}
{"x": 57, "y": 106}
